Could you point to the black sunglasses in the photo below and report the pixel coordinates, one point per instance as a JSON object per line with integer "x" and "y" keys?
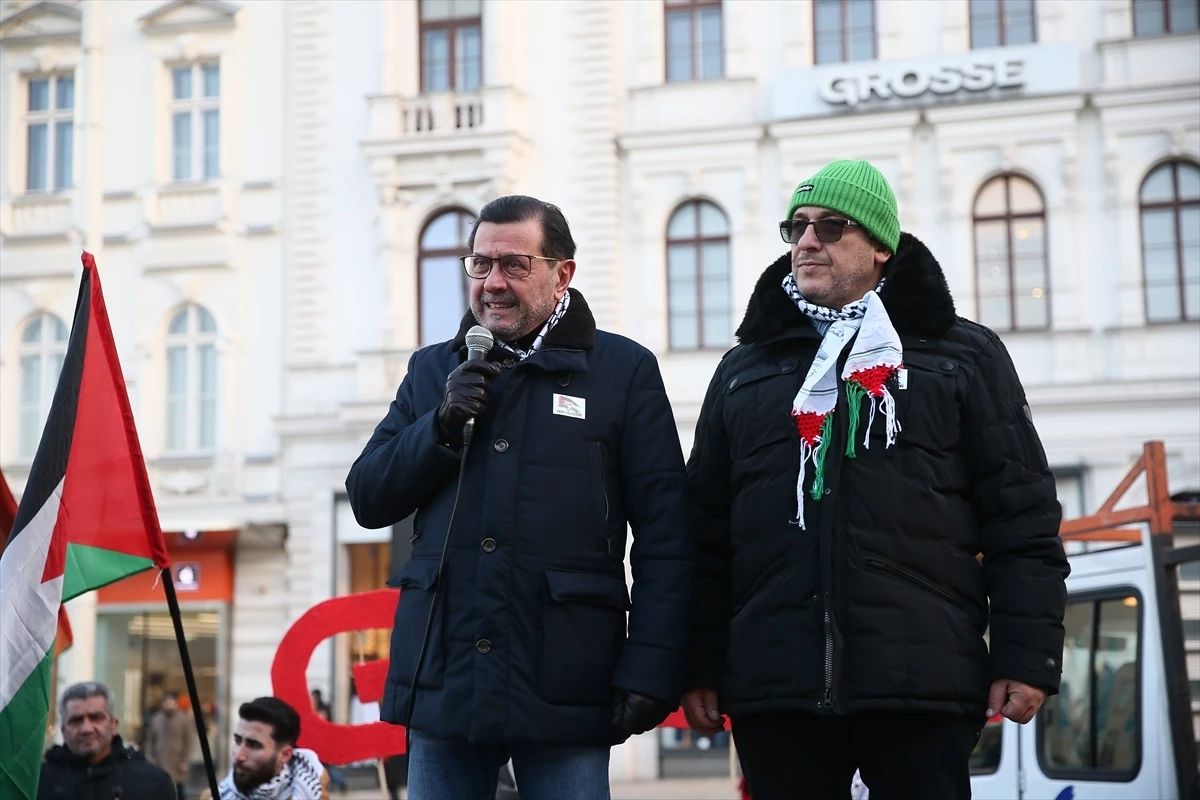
{"x": 828, "y": 230}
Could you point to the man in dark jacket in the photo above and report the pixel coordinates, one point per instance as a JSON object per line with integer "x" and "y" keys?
{"x": 523, "y": 627}
{"x": 93, "y": 763}
{"x": 855, "y": 453}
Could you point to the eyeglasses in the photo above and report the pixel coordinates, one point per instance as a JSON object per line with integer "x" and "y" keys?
{"x": 513, "y": 266}
{"x": 828, "y": 230}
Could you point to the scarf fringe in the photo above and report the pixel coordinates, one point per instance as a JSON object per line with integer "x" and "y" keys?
{"x": 813, "y": 451}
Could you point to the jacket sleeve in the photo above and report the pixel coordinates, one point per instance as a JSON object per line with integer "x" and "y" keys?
{"x": 709, "y": 501}
{"x": 652, "y": 483}
{"x": 1024, "y": 566}
{"x": 403, "y": 464}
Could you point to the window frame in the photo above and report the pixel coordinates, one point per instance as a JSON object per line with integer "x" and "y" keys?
{"x": 698, "y": 241}
{"x": 1002, "y": 27}
{"x": 423, "y": 254}
{"x": 192, "y": 339}
{"x": 1166, "y": 18}
{"x": 451, "y": 25}
{"x": 1009, "y": 219}
{"x": 1092, "y": 774}
{"x": 44, "y": 349}
{"x": 195, "y": 107}
{"x": 1176, "y": 206}
{"x": 52, "y": 116}
{"x": 844, "y": 30}
{"x": 693, "y": 7}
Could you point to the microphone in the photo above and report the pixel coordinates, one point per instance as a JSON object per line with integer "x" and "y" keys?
{"x": 479, "y": 343}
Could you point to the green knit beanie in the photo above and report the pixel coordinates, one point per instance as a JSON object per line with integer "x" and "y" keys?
{"x": 858, "y": 190}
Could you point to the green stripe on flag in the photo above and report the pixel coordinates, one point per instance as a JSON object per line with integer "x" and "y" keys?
{"x": 90, "y": 568}
{"x": 23, "y": 735}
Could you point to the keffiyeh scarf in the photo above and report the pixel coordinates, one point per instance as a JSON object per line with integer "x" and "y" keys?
{"x": 300, "y": 779}
{"x": 559, "y": 311}
{"x": 875, "y": 358}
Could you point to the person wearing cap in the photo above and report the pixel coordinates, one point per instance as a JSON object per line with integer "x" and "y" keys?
{"x": 515, "y": 634}
{"x": 855, "y": 453}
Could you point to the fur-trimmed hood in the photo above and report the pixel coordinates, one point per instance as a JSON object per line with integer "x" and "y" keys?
{"x": 916, "y": 296}
{"x": 575, "y": 331}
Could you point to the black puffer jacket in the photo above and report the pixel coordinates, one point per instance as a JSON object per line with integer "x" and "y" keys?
{"x": 880, "y": 602}
{"x": 125, "y": 774}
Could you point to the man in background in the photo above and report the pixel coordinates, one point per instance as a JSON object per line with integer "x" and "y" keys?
{"x": 267, "y": 765}
{"x": 93, "y": 763}
{"x": 169, "y": 740}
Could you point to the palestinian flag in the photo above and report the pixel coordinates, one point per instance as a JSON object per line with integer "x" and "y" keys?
{"x": 86, "y": 519}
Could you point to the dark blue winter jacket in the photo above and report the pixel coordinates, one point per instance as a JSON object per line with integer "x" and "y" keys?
{"x": 529, "y": 634}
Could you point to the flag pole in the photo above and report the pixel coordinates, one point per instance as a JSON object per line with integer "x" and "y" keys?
{"x": 197, "y": 712}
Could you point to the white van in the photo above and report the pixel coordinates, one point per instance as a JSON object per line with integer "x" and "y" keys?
{"x": 1121, "y": 724}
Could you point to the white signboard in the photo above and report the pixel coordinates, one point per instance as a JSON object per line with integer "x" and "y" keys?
{"x": 993, "y": 73}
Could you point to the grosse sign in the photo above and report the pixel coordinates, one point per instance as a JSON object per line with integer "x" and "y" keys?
{"x": 907, "y": 82}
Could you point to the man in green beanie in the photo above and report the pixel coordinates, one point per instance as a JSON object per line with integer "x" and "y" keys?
{"x": 856, "y": 451}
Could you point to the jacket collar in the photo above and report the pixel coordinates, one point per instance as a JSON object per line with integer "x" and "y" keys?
{"x": 575, "y": 331}
{"x": 916, "y": 297}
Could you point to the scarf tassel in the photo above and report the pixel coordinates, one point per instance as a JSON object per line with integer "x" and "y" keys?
{"x": 813, "y": 450}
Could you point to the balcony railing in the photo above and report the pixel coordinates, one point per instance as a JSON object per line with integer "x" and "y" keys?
{"x": 491, "y": 110}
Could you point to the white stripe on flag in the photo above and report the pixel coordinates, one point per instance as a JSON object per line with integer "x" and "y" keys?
{"x": 28, "y": 607}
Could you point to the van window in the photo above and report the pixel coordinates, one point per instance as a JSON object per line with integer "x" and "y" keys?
{"x": 1091, "y": 729}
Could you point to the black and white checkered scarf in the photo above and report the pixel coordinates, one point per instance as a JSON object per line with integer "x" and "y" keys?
{"x": 300, "y": 779}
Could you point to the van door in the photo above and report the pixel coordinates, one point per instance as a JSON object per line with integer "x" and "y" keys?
{"x": 1101, "y": 735}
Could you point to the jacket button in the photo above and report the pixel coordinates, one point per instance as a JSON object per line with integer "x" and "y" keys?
{"x": 483, "y": 646}
{"x": 509, "y": 362}
{"x": 488, "y": 545}
{"x": 829, "y": 491}
{"x": 733, "y": 383}
{"x": 1051, "y": 663}
{"x": 500, "y": 445}
{"x": 947, "y": 365}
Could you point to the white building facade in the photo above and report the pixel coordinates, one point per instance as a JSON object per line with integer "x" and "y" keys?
{"x": 275, "y": 193}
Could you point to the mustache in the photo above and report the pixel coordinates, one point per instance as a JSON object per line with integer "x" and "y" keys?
{"x": 498, "y": 298}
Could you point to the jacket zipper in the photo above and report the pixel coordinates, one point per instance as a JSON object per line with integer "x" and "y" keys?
{"x": 827, "y": 700}
{"x": 919, "y": 582}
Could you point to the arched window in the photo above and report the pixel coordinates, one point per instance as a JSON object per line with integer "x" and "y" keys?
{"x": 698, "y": 277}
{"x": 442, "y": 284}
{"x": 1011, "y": 277}
{"x": 1170, "y": 210}
{"x": 43, "y": 346}
{"x": 191, "y": 380}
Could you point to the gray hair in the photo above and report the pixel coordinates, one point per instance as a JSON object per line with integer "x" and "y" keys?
{"x": 84, "y": 691}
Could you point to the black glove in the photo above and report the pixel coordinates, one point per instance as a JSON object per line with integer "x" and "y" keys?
{"x": 465, "y": 397}
{"x": 634, "y": 713}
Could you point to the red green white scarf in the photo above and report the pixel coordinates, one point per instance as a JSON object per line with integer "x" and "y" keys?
{"x": 876, "y": 356}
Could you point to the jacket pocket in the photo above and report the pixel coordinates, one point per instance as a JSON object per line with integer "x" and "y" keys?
{"x": 759, "y": 585}
{"x": 417, "y": 582}
{"x": 927, "y": 407}
{"x": 913, "y": 579}
{"x": 583, "y": 631}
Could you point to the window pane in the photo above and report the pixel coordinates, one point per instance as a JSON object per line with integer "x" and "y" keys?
{"x": 1018, "y": 22}
{"x": 1189, "y": 181}
{"x": 1148, "y": 17}
{"x": 679, "y": 46}
{"x": 1066, "y": 718}
{"x": 64, "y": 149}
{"x": 1158, "y": 187}
{"x": 862, "y": 45}
{"x": 714, "y": 293}
{"x": 179, "y": 322}
{"x": 212, "y": 143}
{"x": 1029, "y": 248}
{"x": 465, "y": 9}
{"x": 684, "y": 335}
{"x": 1033, "y": 310}
{"x": 31, "y": 423}
{"x": 181, "y": 130}
{"x": 991, "y": 256}
{"x": 683, "y": 223}
{"x": 66, "y": 93}
{"x": 985, "y": 23}
{"x": 177, "y": 371}
{"x": 862, "y": 13}
{"x": 435, "y": 10}
{"x": 991, "y": 199}
{"x": 59, "y": 329}
{"x": 33, "y": 331}
{"x": 39, "y": 151}
{"x": 181, "y": 83}
{"x": 39, "y": 94}
{"x": 469, "y": 60}
{"x": 828, "y": 16}
{"x": 208, "y": 396}
{"x": 211, "y": 76}
{"x": 443, "y": 299}
{"x": 1024, "y": 197}
{"x": 829, "y": 48}
{"x": 1185, "y": 15}
{"x": 1158, "y": 228}
{"x": 713, "y": 221}
{"x": 1191, "y": 295}
{"x": 1162, "y": 302}
{"x": 1118, "y": 734}
{"x": 435, "y": 69}
{"x": 176, "y": 398}
{"x": 446, "y": 232}
{"x": 710, "y": 42}
{"x": 682, "y": 268}
{"x": 31, "y": 378}
{"x": 204, "y": 320}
